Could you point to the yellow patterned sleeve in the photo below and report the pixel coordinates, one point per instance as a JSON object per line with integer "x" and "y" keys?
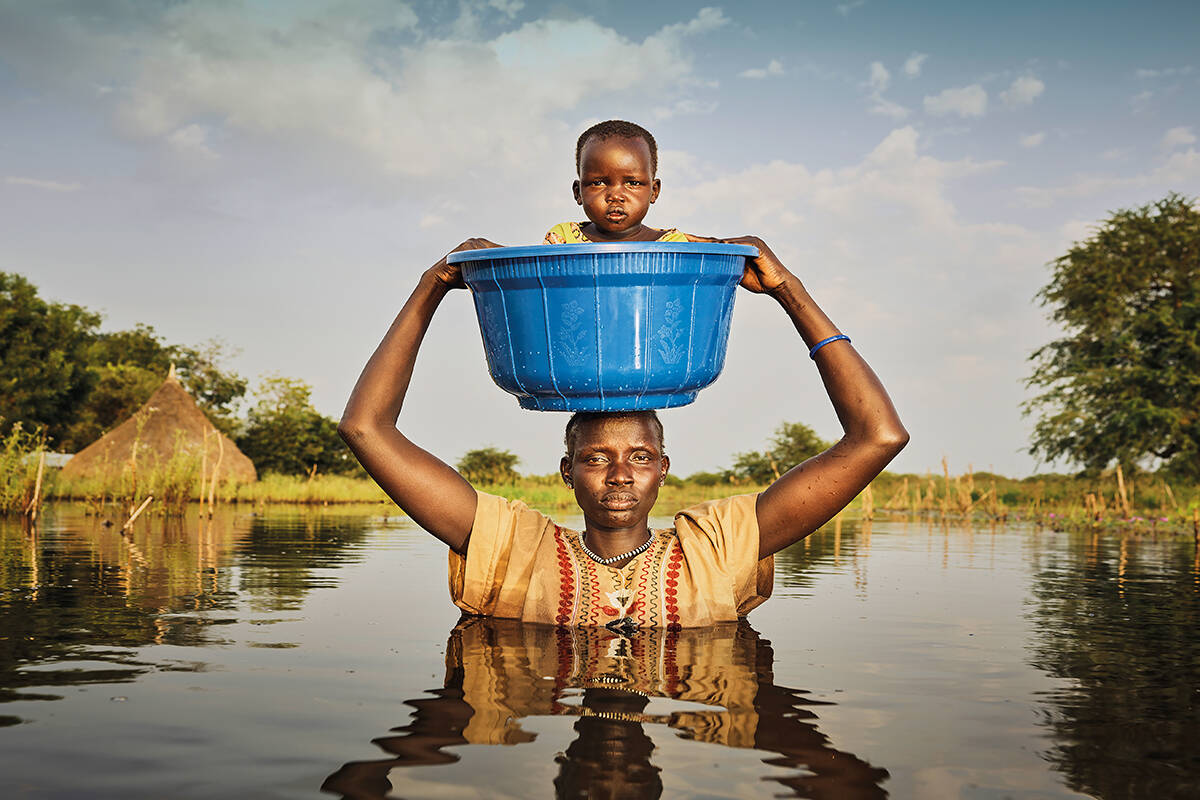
{"x": 722, "y": 535}
{"x": 493, "y": 578}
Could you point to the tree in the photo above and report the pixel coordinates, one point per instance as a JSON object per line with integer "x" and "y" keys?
{"x": 1124, "y": 382}
{"x": 792, "y": 443}
{"x": 285, "y": 434}
{"x": 488, "y": 465}
{"x": 43, "y": 363}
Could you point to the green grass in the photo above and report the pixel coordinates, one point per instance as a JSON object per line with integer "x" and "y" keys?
{"x": 18, "y": 469}
{"x": 1057, "y": 501}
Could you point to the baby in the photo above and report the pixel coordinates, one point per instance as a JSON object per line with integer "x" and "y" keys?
{"x": 617, "y": 162}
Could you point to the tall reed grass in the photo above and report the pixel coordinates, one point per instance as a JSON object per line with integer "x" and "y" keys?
{"x": 22, "y": 470}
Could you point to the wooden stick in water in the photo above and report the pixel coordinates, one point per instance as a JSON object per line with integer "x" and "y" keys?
{"x": 133, "y": 517}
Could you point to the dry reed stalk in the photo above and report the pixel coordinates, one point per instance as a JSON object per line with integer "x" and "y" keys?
{"x": 945, "y": 485}
{"x": 36, "y": 501}
{"x": 898, "y": 496}
{"x": 133, "y": 517}
{"x": 868, "y": 503}
{"x": 203, "y": 466}
{"x": 1121, "y": 492}
{"x": 1170, "y": 495}
{"x": 212, "y": 490}
{"x": 965, "y": 501}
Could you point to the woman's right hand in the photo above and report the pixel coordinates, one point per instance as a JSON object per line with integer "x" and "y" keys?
{"x": 450, "y": 275}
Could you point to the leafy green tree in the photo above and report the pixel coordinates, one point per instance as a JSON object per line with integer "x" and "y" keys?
{"x": 709, "y": 478}
{"x": 792, "y": 443}
{"x": 1124, "y": 382}
{"x": 138, "y": 359}
{"x": 43, "y": 364}
{"x": 285, "y": 434}
{"x": 488, "y": 465}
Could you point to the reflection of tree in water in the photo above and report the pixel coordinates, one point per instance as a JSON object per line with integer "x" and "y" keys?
{"x": 282, "y": 557}
{"x": 1119, "y": 619}
{"x": 499, "y": 672}
{"x": 77, "y": 597}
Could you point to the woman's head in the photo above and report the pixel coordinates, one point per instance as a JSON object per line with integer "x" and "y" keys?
{"x": 615, "y": 463}
{"x": 616, "y": 162}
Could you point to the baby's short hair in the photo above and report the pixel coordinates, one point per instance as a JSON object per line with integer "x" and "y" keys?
{"x": 617, "y": 128}
{"x": 580, "y": 417}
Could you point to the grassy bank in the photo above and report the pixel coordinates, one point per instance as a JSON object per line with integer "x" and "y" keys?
{"x": 1111, "y": 500}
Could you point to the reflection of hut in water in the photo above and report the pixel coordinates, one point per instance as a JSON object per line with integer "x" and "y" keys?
{"x": 168, "y": 425}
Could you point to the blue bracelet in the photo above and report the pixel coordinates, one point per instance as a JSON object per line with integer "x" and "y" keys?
{"x": 813, "y": 353}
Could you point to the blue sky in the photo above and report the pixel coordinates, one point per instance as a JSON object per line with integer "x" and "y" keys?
{"x": 278, "y": 174}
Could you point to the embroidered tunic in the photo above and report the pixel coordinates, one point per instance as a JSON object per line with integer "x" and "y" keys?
{"x": 572, "y": 233}
{"x": 703, "y": 570}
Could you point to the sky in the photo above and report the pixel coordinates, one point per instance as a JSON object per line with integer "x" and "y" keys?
{"x": 277, "y": 175}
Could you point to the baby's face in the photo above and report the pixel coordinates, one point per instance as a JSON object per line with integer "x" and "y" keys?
{"x": 616, "y": 187}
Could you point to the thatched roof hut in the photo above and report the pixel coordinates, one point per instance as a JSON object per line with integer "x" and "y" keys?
{"x": 169, "y": 425}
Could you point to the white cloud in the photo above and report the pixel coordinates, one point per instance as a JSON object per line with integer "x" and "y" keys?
{"x": 1141, "y": 100}
{"x": 1178, "y": 137}
{"x": 1033, "y": 139}
{"x": 430, "y": 221}
{"x": 774, "y": 68}
{"x": 967, "y": 101}
{"x": 845, "y": 8}
{"x": 192, "y": 140}
{"x": 1180, "y": 168}
{"x": 880, "y": 78}
{"x": 38, "y": 183}
{"x": 685, "y": 107}
{"x": 706, "y": 19}
{"x": 318, "y": 83}
{"x": 1022, "y": 92}
{"x": 1168, "y": 72}
{"x": 508, "y": 8}
{"x": 881, "y": 105}
{"x": 912, "y": 65}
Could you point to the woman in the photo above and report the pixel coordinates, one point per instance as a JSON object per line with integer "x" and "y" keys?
{"x": 714, "y": 565}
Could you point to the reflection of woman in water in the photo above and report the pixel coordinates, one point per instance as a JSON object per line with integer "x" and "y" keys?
{"x": 714, "y": 565}
{"x": 496, "y": 675}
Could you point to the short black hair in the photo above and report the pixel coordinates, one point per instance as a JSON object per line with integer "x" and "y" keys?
{"x": 581, "y": 417}
{"x": 617, "y": 129}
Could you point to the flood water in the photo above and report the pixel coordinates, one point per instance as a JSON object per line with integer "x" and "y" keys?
{"x": 307, "y": 654}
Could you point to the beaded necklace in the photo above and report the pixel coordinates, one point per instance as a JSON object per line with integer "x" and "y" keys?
{"x": 641, "y": 548}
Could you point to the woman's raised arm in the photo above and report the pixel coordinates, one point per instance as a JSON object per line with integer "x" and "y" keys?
{"x": 808, "y": 495}
{"x": 425, "y": 487}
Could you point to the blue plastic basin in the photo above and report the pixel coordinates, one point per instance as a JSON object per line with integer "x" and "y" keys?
{"x": 604, "y": 327}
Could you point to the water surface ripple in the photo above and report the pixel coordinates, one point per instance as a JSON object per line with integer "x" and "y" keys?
{"x": 315, "y": 653}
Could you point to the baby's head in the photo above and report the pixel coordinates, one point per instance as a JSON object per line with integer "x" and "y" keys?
{"x": 616, "y": 162}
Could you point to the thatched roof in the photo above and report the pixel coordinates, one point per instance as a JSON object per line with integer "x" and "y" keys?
{"x": 169, "y": 424}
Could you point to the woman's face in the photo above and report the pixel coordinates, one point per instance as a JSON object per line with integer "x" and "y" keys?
{"x": 616, "y": 186}
{"x": 616, "y": 470}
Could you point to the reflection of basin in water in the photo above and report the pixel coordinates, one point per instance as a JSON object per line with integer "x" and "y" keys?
{"x": 605, "y": 327}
